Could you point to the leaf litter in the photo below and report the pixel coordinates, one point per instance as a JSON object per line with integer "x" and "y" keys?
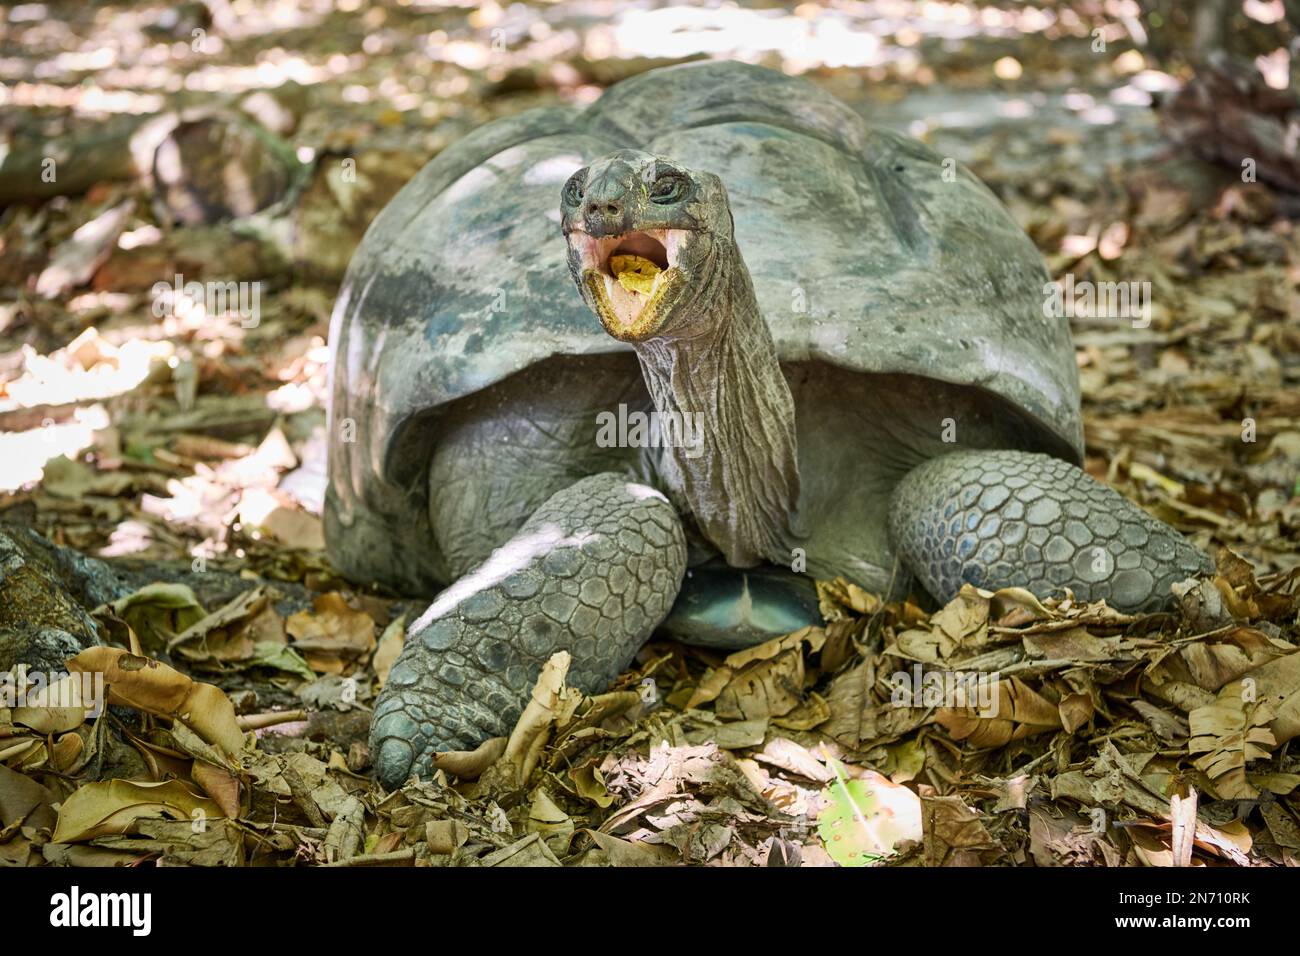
{"x": 1075, "y": 736}
{"x": 1001, "y": 729}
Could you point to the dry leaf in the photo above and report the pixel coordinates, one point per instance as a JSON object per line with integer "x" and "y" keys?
{"x": 155, "y": 688}
{"x": 114, "y": 806}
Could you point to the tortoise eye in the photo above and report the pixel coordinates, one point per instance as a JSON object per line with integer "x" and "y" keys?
{"x": 669, "y": 186}
{"x": 572, "y": 193}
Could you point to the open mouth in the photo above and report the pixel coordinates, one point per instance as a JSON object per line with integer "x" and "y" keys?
{"x": 628, "y": 276}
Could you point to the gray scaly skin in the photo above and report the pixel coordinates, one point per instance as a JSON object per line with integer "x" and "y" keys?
{"x": 593, "y": 571}
{"x": 991, "y": 517}
{"x": 997, "y": 518}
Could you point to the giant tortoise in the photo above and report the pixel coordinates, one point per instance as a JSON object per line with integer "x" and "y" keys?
{"x": 818, "y": 348}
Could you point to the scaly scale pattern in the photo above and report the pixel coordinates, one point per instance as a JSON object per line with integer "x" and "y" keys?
{"x": 1008, "y": 518}
{"x": 593, "y": 571}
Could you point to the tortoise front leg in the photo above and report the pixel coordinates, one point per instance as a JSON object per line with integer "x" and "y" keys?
{"x": 1010, "y": 518}
{"x": 593, "y": 571}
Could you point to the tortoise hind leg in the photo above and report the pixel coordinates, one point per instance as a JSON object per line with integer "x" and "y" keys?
{"x": 1010, "y": 518}
{"x": 376, "y": 548}
{"x": 592, "y": 571}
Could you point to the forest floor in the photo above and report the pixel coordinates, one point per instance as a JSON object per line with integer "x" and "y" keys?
{"x": 184, "y": 446}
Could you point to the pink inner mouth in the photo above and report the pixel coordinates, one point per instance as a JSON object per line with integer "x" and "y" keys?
{"x": 643, "y": 244}
{"x": 660, "y": 246}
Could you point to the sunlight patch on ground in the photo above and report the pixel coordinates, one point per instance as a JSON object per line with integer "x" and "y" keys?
{"x": 23, "y": 455}
{"x": 89, "y": 368}
{"x": 129, "y": 537}
{"x": 836, "y": 33}
{"x": 306, "y": 379}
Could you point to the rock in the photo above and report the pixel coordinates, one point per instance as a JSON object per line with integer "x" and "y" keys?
{"x": 44, "y": 593}
{"x": 40, "y": 648}
{"x": 212, "y": 587}
{"x": 279, "y": 110}
{"x": 216, "y": 167}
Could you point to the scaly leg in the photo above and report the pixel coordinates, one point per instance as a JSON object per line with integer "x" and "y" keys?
{"x": 593, "y": 571}
{"x": 1010, "y": 518}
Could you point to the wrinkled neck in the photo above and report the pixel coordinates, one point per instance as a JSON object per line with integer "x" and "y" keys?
{"x": 738, "y": 466}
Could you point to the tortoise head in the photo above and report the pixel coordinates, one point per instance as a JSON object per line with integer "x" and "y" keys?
{"x": 646, "y": 239}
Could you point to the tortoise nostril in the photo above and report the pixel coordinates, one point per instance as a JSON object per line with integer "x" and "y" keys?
{"x": 606, "y": 208}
